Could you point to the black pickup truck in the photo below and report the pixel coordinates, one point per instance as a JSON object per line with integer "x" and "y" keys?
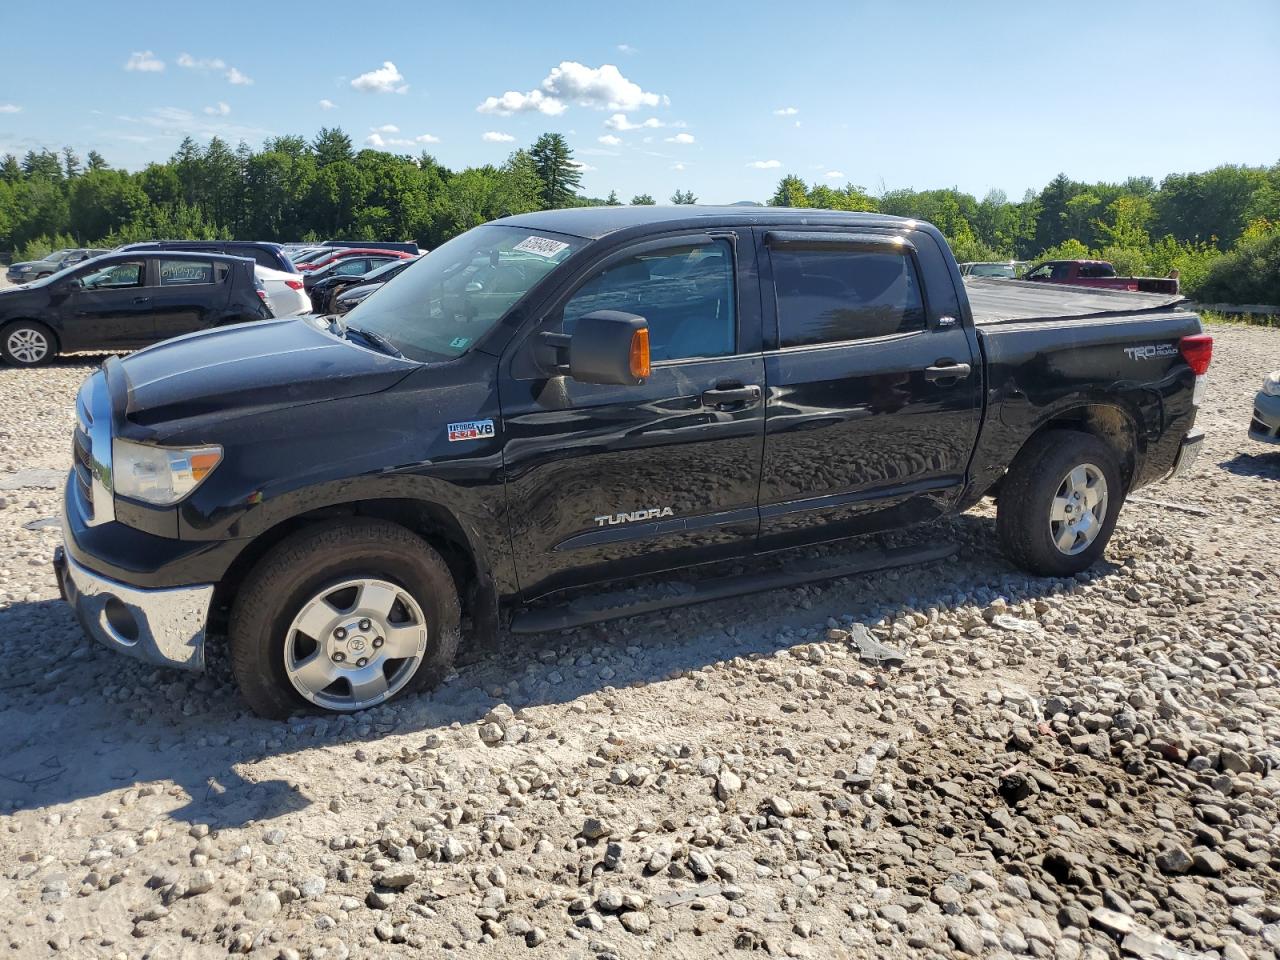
{"x": 581, "y": 396}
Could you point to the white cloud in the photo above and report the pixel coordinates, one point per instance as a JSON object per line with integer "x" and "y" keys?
{"x": 765, "y": 164}
{"x": 204, "y": 63}
{"x": 785, "y": 112}
{"x": 493, "y": 136}
{"x": 603, "y": 87}
{"x": 834, "y": 175}
{"x": 10, "y": 108}
{"x": 379, "y": 142}
{"x": 619, "y": 121}
{"x": 609, "y": 140}
{"x": 677, "y": 166}
{"x": 144, "y": 62}
{"x": 515, "y": 102}
{"x": 328, "y": 105}
{"x": 681, "y": 138}
{"x": 207, "y": 64}
{"x": 219, "y": 110}
{"x": 386, "y": 79}
{"x": 626, "y": 48}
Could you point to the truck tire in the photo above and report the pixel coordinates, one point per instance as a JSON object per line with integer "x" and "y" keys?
{"x": 1059, "y": 503}
{"x": 343, "y": 616}
{"x": 25, "y": 343}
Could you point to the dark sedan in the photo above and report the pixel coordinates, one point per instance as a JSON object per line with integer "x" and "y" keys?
{"x": 123, "y": 301}
{"x": 30, "y": 270}
{"x": 320, "y": 282}
{"x": 327, "y": 288}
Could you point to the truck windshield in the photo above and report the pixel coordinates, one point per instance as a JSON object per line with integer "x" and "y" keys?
{"x": 441, "y": 305}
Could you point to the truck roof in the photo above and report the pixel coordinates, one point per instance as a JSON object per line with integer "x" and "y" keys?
{"x": 592, "y": 223}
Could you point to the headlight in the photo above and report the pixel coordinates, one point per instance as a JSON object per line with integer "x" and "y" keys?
{"x": 160, "y": 475}
{"x": 1271, "y": 385}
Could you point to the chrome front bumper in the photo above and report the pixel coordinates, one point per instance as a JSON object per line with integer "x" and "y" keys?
{"x": 162, "y": 626}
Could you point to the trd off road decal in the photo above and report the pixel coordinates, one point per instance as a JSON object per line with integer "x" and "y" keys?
{"x": 1151, "y": 351}
{"x": 470, "y": 430}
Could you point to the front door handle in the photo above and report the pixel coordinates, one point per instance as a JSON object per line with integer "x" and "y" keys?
{"x": 728, "y": 396}
{"x": 141, "y": 299}
{"x": 947, "y": 370}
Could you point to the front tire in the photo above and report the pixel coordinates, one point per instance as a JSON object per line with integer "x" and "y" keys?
{"x": 1059, "y": 503}
{"x": 28, "y": 344}
{"x": 343, "y": 616}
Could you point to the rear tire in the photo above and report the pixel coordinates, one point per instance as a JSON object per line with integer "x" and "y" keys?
{"x": 319, "y": 619}
{"x": 1059, "y": 503}
{"x": 26, "y": 343}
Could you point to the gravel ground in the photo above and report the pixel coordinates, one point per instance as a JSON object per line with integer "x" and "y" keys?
{"x": 1082, "y": 768}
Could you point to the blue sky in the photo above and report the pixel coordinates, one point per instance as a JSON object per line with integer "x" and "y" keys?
{"x": 720, "y": 98}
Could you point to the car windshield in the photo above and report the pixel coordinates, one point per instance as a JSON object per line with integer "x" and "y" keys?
{"x": 992, "y": 270}
{"x": 58, "y": 256}
{"x": 455, "y": 294}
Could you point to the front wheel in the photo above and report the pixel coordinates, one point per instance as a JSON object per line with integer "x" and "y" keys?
{"x": 1059, "y": 503}
{"x": 27, "y": 344}
{"x": 343, "y": 616}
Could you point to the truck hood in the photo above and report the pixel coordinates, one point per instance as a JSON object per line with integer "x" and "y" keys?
{"x": 250, "y": 367}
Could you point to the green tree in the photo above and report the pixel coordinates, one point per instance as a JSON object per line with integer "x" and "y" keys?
{"x": 683, "y": 197}
{"x": 10, "y": 171}
{"x": 331, "y": 145}
{"x": 642, "y": 200}
{"x": 96, "y": 161}
{"x": 104, "y": 201}
{"x": 70, "y": 163}
{"x": 612, "y": 200}
{"x": 791, "y": 192}
{"x": 560, "y": 176}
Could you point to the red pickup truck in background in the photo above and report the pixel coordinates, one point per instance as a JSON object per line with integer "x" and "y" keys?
{"x": 1097, "y": 273}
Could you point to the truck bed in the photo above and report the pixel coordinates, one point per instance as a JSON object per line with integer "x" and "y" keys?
{"x": 1013, "y": 301}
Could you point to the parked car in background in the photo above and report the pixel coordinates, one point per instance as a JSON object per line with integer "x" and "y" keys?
{"x": 1097, "y": 273}
{"x": 269, "y": 255}
{"x": 336, "y": 277}
{"x": 284, "y": 292}
{"x": 348, "y": 297}
{"x": 305, "y": 254}
{"x": 30, "y": 270}
{"x": 351, "y": 253}
{"x": 403, "y": 246}
{"x": 1265, "y": 426}
{"x": 122, "y": 301}
{"x": 996, "y": 269}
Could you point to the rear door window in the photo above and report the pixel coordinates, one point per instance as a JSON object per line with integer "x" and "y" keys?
{"x": 835, "y": 295}
{"x": 185, "y": 273}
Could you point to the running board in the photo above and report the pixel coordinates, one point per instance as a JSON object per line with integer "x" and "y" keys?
{"x": 664, "y": 596}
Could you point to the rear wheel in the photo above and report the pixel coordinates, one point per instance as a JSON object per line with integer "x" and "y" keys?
{"x": 1059, "y": 503}
{"x": 27, "y": 344}
{"x": 343, "y": 617}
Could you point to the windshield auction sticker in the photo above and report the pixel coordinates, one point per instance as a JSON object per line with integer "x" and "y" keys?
{"x": 540, "y": 246}
{"x": 470, "y": 430}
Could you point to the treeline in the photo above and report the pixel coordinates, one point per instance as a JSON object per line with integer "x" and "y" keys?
{"x": 1220, "y": 229}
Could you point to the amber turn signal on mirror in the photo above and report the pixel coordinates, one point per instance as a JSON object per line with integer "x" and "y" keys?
{"x": 640, "y": 354}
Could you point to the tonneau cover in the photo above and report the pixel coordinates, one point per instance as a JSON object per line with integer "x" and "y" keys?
{"x": 995, "y": 301}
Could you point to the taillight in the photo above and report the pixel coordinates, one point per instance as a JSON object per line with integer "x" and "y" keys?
{"x": 293, "y": 284}
{"x": 1197, "y": 350}
{"x": 262, "y": 295}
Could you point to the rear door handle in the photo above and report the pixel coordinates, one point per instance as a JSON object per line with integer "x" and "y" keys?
{"x": 730, "y": 395}
{"x": 141, "y": 299}
{"x": 947, "y": 370}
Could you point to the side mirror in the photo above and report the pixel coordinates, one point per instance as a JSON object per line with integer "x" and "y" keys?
{"x": 606, "y": 346}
